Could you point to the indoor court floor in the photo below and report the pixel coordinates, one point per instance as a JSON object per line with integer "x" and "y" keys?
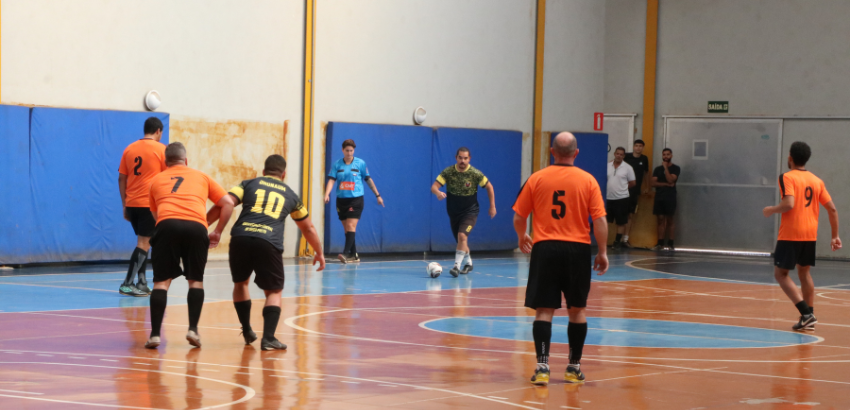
{"x": 666, "y": 332}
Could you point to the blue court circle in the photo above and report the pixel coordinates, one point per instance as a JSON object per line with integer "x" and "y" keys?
{"x": 626, "y": 332}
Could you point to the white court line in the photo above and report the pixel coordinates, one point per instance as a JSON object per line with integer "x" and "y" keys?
{"x": 143, "y": 364}
{"x": 45, "y": 355}
{"x": 499, "y": 398}
{"x": 21, "y": 392}
{"x": 105, "y": 360}
{"x": 652, "y": 374}
{"x": 389, "y": 385}
{"x": 76, "y": 357}
{"x": 343, "y": 381}
{"x": 534, "y": 402}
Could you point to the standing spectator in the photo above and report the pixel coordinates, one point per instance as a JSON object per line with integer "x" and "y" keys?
{"x": 664, "y": 179}
{"x": 621, "y": 178}
{"x": 640, "y": 164}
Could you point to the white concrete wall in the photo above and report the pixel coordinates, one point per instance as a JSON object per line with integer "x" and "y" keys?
{"x": 625, "y": 38}
{"x": 469, "y": 63}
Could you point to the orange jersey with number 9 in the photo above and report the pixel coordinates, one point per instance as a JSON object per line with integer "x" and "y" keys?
{"x": 141, "y": 161}
{"x": 809, "y": 192}
{"x": 181, "y": 192}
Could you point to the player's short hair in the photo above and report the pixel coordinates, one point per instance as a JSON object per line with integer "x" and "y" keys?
{"x": 275, "y": 164}
{"x": 620, "y": 149}
{"x": 175, "y": 153}
{"x": 152, "y": 125}
{"x": 349, "y": 143}
{"x": 800, "y": 153}
{"x": 639, "y": 142}
{"x": 463, "y": 149}
{"x": 562, "y": 150}
{"x": 666, "y": 149}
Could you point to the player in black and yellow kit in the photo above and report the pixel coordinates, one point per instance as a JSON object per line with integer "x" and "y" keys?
{"x": 256, "y": 245}
{"x": 462, "y": 182}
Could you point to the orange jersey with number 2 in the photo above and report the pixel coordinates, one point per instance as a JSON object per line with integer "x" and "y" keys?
{"x": 809, "y": 192}
{"x": 181, "y": 192}
{"x": 141, "y": 161}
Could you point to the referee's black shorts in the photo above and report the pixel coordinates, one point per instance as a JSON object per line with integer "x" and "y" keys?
{"x": 789, "y": 254}
{"x": 251, "y": 254}
{"x": 175, "y": 240}
{"x": 617, "y": 210}
{"x": 142, "y": 220}
{"x": 558, "y": 267}
{"x": 349, "y": 208}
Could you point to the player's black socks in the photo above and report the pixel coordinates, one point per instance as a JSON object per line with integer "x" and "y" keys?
{"x": 349, "y": 242}
{"x": 670, "y": 243}
{"x": 803, "y": 308}
{"x": 811, "y": 310}
{"x": 354, "y": 247}
{"x": 195, "y": 299}
{"x": 271, "y": 315}
{"x": 542, "y": 332}
{"x": 136, "y": 260}
{"x": 159, "y": 298}
{"x": 243, "y": 310}
{"x": 142, "y": 274}
{"x": 576, "y": 332}
{"x": 661, "y": 242}
{"x": 619, "y": 238}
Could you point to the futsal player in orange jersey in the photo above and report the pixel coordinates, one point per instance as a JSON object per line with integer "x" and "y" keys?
{"x": 141, "y": 161}
{"x": 802, "y": 193}
{"x": 562, "y": 198}
{"x": 178, "y": 200}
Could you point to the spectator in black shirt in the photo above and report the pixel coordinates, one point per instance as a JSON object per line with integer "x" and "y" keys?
{"x": 640, "y": 164}
{"x": 664, "y": 180}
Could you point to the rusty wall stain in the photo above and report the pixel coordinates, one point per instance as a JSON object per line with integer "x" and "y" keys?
{"x": 229, "y": 151}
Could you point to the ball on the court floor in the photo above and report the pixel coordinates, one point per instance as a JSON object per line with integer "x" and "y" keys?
{"x": 434, "y": 269}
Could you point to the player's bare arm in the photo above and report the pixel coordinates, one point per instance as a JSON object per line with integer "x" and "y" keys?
{"x": 122, "y": 189}
{"x": 523, "y": 238}
{"x": 328, "y": 187}
{"x": 785, "y": 205}
{"x": 492, "y": 195}
{"x": 832, "y": 211}
{"x": 226, "y": 204}
{"x": 671, "y": 178}
{"x": 374, "y": 189}
{"x": 600, "y": 231}
{"x": 655, "y": 184}
{"x": 435, "y": 189}
{"x": 312, "y": 237}
{"x": 632, "y": 184}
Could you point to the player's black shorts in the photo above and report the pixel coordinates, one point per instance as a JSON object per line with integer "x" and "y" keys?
{"x": 789, "y": 254}
{"x": 463, "y": 223}
{"x": 633, "y": 202}
{"x": 250, "y": 254}
{"x": 142, "y": 220}
{"x": 174, "y": 240}
{"x": 349, "y": 208}
{"x": 665, "y": 207}
{"x": 558, "y": 267}
{"x": 617, "y": 210}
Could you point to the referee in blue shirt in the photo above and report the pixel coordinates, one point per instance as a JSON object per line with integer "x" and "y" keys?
{"x": 350, "y": 172}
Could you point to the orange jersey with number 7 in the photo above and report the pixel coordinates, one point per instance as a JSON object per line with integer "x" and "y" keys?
{"x": 562, "y": 198}
{"x": 809, "y": 192}
{"x": 181, "y": 192}
{"x": 141, "y": 161}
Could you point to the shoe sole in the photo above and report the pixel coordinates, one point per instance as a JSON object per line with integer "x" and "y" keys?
{"x": 134, "y": 295}
{"x": 268, "y": 348}
{"x": 151, "y": 345}
{"x": 454, "y": 275}
{"x": 342, "y": 259}
{"x": 540, "y": 383}
{"x": 193, "y": 341}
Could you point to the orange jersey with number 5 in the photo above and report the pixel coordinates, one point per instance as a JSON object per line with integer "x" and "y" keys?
{"x": 562, "y": 198}
{"x": 141, "y": 161}
{"x": 181, "y": 192}
{"x": 809, "y": 192}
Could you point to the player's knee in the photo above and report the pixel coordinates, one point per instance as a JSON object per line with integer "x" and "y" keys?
{"x": 544, "y": 314}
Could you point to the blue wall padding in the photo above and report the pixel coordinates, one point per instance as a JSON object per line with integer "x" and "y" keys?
{"x": 496, "y": 153}
{"x": 73, "y": 185}
{"x": 399, "y": 160}
{"x": 593, "y": 155}
{"x": 15, "y": 230}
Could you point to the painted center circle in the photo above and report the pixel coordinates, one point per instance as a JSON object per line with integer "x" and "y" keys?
{"x": 626, "y": 332}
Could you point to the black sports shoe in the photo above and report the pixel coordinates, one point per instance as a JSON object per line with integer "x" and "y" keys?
{"x": 272, "y": 344}
{"x": 353, "y": 258}
{"x": 248, "y": 335}
{"x": 143, "y": 287}
{"x": 454, "y": 271}
{"x": 130, "y": 290}
{"x": 617, "y": 246}
{"x": 805, "y": 321}
{"x": 466, "y": 269}
{"x": 657, "y": 248}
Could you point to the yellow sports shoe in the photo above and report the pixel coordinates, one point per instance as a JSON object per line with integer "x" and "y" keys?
{"x": 573, "y": 374}
{"x": 541, "y": 377}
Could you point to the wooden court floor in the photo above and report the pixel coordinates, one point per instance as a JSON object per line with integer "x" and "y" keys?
{"x": 384, "y": 335}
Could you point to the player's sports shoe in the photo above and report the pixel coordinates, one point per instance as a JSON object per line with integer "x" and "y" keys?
{"x": 573, "y": 374}
{"x": 617, "y": 246}
{"x": 626, "y": 244}
{"x": 805, "y": 321}
{"x": 143, "y": 287}
{"x": 353, "y": 259}
{"x": 272, "y": 344}
{"x": 248, "y": 335}
{"x": 541, "y": 377}
{"x": 342, "y": 258}
{"x": 466, "y": 269}
{"x": 131, "y": 290}
{"x": 657, "y": 248}
{"x": 152, "y": 343}
{"x": 454, "y": 271}
{"x": 194, "y": 338}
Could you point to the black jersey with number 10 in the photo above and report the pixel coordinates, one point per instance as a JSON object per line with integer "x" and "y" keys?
{"x": 266, "y": 201}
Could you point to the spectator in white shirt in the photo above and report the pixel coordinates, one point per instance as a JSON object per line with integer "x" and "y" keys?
{"x": 621, "y": 177}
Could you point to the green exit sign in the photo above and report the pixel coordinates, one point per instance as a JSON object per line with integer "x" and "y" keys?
{"x": 718, "y": 106}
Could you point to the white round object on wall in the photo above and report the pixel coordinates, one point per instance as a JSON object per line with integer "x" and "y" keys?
{"x": 152, "y": 100}
{"x": 419, "y": 115}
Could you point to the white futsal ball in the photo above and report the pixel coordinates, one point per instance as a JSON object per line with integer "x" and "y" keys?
{"x": 434, "y": 269}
